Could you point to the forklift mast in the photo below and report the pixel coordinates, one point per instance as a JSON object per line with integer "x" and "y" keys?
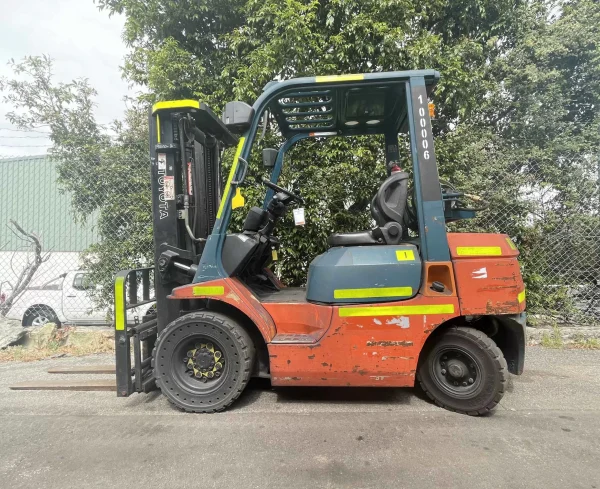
{"x": 186, "y": 142}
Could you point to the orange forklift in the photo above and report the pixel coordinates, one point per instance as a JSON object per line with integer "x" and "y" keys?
{"x": 403, "y": 302}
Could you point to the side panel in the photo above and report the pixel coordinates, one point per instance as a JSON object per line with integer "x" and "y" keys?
{"x": 366, "y": 345}
{"x": 487, "y": 273}
{"x": 489, "y": 286}
{"x": 233, "y": 292}
{"x": 364, "y": 274}
{"x": 300, "y": 318}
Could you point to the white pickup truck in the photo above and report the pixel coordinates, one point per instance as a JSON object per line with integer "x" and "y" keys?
{"x": 64, "y": 300}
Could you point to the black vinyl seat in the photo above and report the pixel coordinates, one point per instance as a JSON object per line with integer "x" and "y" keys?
{"x": 387, "y": 208}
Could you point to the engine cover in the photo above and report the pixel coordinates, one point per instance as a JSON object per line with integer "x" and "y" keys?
{"x": 352, "y": 274}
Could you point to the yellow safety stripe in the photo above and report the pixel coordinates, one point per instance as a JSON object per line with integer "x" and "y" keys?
{"x": 479, "y": 251}
{"x": 373, "y": 292}
{"x": 511, "y": 244}
{"x": 521, "y": 296}
{"x": 405, "y": 255}
{"x": 208, "y": 290}
{"x": 396, "y": 310}
{"x": 176, "y": 104}
{"x": 234, "y": 165}
{"x": 157, "y": 129}
{"x": 334, "y": 78}
{"x": 119, "y": 305}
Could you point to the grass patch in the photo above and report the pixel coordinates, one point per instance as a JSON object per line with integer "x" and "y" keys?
{"x": 553, "y": 339}
{"x": 586, "y": 343}
{"x": 54, "y": 347}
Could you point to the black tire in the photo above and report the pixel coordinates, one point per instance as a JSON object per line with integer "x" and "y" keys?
{"x": 189, "y": 388}
{"x": 40, "y": 315}
{"x": 459, "y": 356}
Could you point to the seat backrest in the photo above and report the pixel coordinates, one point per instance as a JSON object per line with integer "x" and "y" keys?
{"x": 389, "y": 202}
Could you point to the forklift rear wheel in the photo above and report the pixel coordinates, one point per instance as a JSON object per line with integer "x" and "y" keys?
{"x": 463, "y": 371}
{"x": 202, "y": 362}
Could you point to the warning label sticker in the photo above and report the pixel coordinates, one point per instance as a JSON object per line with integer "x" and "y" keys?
{"x": 169, "y": 191}
{"x": 162, "y": 161}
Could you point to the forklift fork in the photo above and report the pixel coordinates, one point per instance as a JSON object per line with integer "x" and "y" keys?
{"x": 142, "y": 333}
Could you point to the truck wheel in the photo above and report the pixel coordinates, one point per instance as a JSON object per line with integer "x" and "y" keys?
{"x": 39, "y": 315}
{"x": 464, "y": 371}
{"x": 202, "y": 362}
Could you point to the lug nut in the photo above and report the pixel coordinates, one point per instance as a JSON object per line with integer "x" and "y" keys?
{"x": 443, "y": 371}
{"x": 471, "y": 381}
{"x": 464, "y": 384}
{"x": 190, "y": 353}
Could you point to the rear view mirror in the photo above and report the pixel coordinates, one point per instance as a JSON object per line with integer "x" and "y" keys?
{"x": 237, "y": 116}
{"x": 269, "y": 157}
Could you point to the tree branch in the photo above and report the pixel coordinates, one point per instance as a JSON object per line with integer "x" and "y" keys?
{"x": 28, "y": 272}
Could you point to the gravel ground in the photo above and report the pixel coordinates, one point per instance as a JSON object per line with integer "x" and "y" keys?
{"x": 546, "y": 433}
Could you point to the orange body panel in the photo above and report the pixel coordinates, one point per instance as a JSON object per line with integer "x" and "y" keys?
{"x": 488, "y": 286}
{"x": 376, "y": 350}
{"x": 376, "y": 344}
{"x": 487, "y": 274}
{"x": 234, "y": 293}
{"x": 300, "y": 318}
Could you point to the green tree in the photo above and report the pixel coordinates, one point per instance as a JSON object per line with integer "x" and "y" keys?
{"x": 516, "y": 108}
{"x": 516, "y": 111}
{"x": 105, "y": 169}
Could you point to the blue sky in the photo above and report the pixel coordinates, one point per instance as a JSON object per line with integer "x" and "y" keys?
{"x": 84, "y": 42}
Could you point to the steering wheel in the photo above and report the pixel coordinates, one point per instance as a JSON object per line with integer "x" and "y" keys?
{"x": 277, "y": 188}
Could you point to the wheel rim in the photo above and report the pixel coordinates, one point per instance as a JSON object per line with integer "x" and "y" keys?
{"x": 457, "y": 372}
{"x": 200, "y": 364}
{"x": 40, "y": 320}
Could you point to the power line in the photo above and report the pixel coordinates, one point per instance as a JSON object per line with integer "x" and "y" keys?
{"x": 25, "y": 146}
{"x": 22, "y": 130}
{"x": 24, "y": 137}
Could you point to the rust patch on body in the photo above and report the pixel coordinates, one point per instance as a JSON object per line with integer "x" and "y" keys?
{"x": 389, "y": 343}
{"x": 325, "y": 364}
{"x": 311, "y": 357}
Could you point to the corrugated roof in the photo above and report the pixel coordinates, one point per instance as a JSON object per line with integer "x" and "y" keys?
{"x": 30, "y": 194}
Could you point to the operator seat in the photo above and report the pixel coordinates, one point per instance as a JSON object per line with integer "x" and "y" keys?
{"x": 387, "y": 208}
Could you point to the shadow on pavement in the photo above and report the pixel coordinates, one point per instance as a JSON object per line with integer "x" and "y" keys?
{"x": 331, "y": 395}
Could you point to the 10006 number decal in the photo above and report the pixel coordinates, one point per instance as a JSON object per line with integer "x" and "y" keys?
{"x": 423, "y": 124}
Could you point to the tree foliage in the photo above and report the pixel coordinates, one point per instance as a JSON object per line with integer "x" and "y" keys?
{"x": 516, "y": 109}
{"x": 103, "y": 168}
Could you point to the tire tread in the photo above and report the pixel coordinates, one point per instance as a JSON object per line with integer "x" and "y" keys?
{"x": 241, "y": 337}
{"x": 486, "y": 343}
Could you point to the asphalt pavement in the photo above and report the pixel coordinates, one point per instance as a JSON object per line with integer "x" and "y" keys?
{"x": 545, "y": 434}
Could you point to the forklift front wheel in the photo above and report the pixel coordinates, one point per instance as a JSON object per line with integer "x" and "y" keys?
{"x": 464, "y": 371}
{"x": 202, "y": 361}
